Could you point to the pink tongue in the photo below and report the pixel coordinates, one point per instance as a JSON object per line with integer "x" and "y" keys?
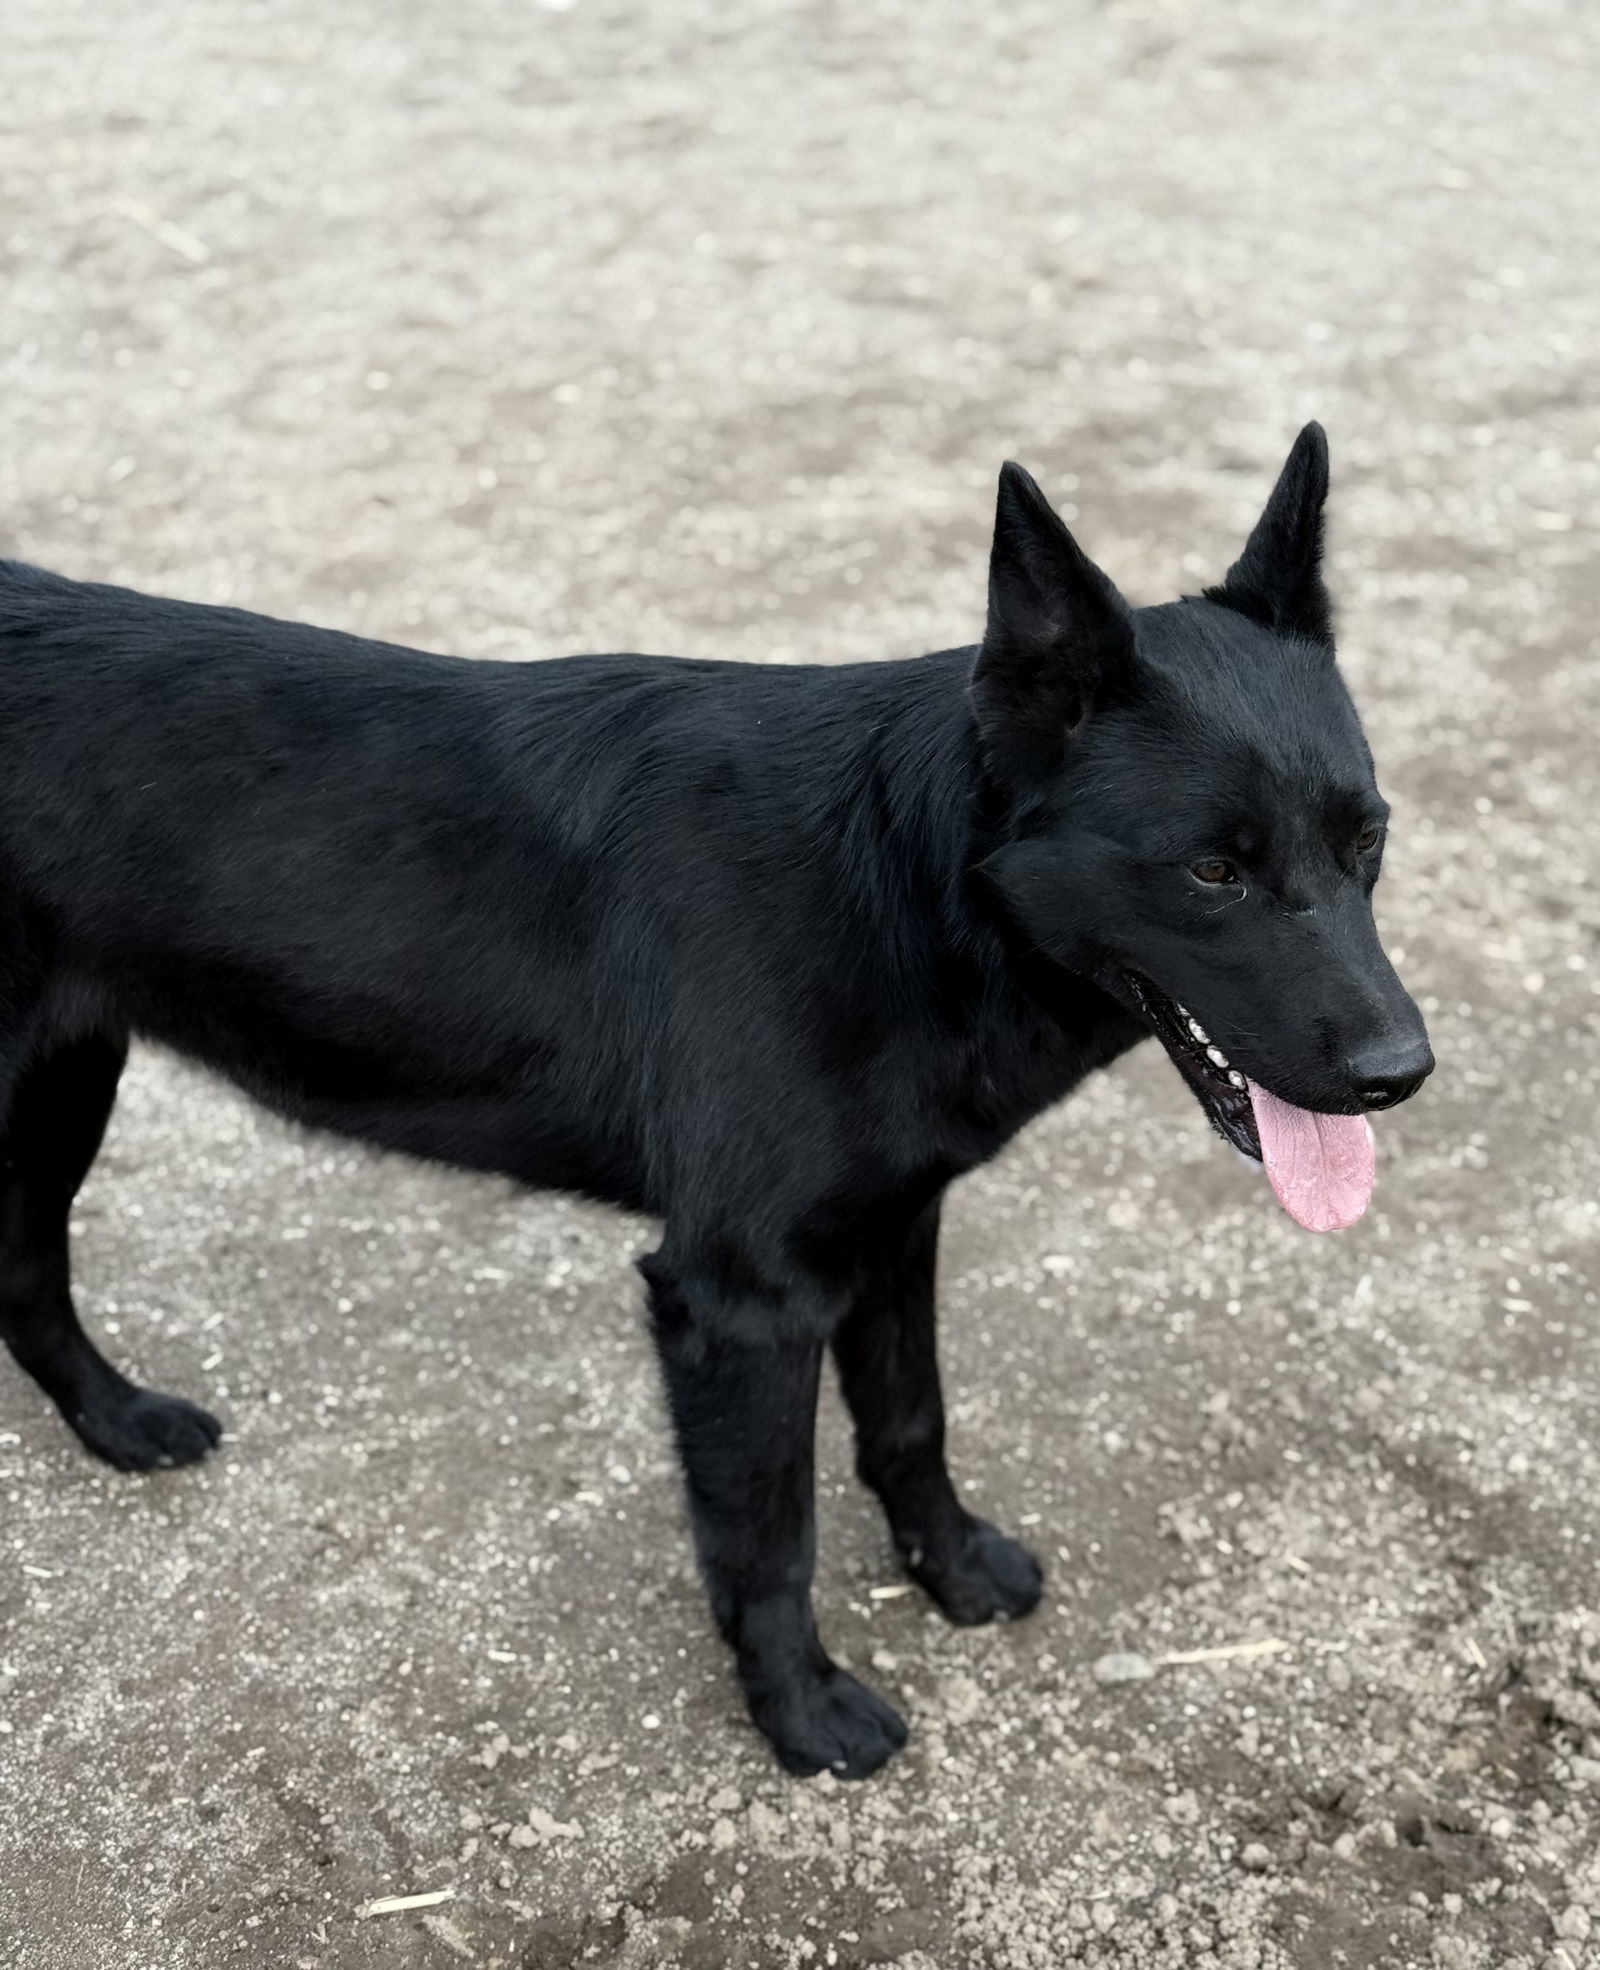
{"x": 1321, "y": 1166}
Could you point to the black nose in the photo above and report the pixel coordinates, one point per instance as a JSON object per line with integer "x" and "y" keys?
{"x": 1382, "y": 1076}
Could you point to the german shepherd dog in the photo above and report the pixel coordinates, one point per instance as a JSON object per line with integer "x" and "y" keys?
{"x": 769, "y": 952}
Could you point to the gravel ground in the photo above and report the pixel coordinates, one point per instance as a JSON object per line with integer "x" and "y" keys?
{"x": 515, "y": 329}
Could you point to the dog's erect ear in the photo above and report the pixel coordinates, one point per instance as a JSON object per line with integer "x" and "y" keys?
{"x": 1277, "y": 580}
{"x": 1059, "y": 638}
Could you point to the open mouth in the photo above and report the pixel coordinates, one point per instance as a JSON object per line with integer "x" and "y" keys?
{"x": 1321, "y": 1167}
{"x": 1224, "y": 1092}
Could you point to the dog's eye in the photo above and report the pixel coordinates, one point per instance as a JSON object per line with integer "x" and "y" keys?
{"x": 1368, "y": 838}
{"x": 1215, "y": 870}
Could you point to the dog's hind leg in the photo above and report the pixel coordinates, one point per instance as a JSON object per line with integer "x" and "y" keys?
{"x": 888, "y": 1362}
{"x": 52, "y": 1130}
{"x": 741, "y": 1373}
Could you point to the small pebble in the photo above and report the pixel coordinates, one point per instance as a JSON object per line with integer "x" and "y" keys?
{"x": 1124, "y": 1666}
{"x": 548, "y": 1827}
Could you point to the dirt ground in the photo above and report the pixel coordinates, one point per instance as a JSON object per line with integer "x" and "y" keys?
{"x": 516, "y": 329}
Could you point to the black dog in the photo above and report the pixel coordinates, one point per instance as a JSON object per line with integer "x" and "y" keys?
{"x": 771, "y": 952}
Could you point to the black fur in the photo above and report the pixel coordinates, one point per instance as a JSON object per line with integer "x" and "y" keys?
{"x": 771, "y": 952}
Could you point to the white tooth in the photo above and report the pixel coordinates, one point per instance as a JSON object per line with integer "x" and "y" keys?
{"x": 1216, "y": 1056}
{"x": 1235, "y": 1078}
{"x": 1198, "y": 1032}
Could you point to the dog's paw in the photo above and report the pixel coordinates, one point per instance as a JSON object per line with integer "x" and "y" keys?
{"x": 139, "y": 1430}
{"x": 983, "y": 1577}
{"x": 825, "y": 1721}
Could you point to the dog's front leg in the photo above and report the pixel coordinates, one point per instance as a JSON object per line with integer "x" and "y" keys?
{"x": 741, "y": 1382}
{"x": 888, "y": 1358}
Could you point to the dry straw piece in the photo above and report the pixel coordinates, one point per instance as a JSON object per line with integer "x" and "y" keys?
{"x": 398, "y": 1904}
{"x": 1229, "y": 1652}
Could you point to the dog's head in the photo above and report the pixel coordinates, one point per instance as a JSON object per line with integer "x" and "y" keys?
{"x": 1193, "y": 823}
